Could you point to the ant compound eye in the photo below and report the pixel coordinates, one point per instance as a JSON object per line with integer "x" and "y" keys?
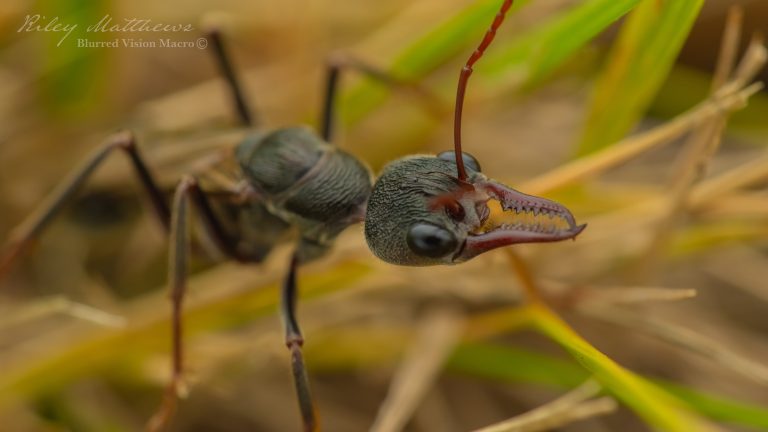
{"x": 469, "y": 160}
{"x": 430, "y": 240}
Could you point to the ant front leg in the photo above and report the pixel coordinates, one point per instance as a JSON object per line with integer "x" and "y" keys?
{"x": 34, "y": 224}
{"x": 177, "y": 275}
{"x": 187, "y": 192}
{"x": 294, "y": 341}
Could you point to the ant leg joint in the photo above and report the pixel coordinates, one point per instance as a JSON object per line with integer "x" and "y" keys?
{"x": 337, "y": 59}
{"x": 187, "y": 182}
{"x": 294, "y": 341}
{"x": 124, "y": 139}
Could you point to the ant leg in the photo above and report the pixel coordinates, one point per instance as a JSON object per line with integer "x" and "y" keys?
{"x": 189, "y": 188}
{"x": 294, "y": 340}
{"x": 329, "y": 101}
{"x": 34, "y": 224}
{"x": 225, "y": 67}
{"x": 225, "y": 241}
{"x": 177, "y": 275}
{"x": 337, "y": 63}
{"x": 187, "y": 192}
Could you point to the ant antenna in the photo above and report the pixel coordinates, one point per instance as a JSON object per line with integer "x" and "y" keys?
{"x": 466, "y": 71}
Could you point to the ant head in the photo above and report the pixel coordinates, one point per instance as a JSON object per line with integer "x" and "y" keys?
{"x": 427, "y": 210}
{"x": 420, "y": 213}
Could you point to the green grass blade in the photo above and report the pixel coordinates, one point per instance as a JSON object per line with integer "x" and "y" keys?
{"x": 637, "y": 66}
{"x": 549, "y": 45}
{"x": 75, "y": 77}
{"x": 514, "y": 364}
{"x": 425, "y": 54}
{"x": 657, "y": 407}
{"x": 537, "y": 52}
{"x": 501, "y": 363}
{"x": 449, "y": 38}
{"x": 720, "y": 408}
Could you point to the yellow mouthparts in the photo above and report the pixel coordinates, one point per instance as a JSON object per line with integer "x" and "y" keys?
{"x": 527, "y": 219}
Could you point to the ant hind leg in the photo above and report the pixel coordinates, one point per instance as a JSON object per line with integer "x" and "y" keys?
{"x": 23, "y": 235}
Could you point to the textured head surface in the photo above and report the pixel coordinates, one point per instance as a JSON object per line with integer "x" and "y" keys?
{"x": 420, "y": 214}
{"x": 401, "y": 197}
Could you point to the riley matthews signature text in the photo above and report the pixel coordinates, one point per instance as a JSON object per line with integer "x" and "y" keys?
{"x": 41, "y": 23}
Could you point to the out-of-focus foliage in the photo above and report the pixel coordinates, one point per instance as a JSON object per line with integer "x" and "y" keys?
{"x": 75, "y": 84}
{"x": 636, "y": 67}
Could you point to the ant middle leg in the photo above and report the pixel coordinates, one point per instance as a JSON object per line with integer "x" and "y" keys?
{"x": 23, "y": 235}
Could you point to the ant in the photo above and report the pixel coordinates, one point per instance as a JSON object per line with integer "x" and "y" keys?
{"x": 422, "y": 210}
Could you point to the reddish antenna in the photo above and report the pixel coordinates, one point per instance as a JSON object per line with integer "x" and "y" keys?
{"x": 466, "y": 71}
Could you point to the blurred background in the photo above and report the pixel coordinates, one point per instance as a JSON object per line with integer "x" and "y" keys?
{"x": 84, "y": 317}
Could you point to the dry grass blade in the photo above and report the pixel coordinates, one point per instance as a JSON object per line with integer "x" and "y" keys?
{"x": 573, "y": 406}
{"x": 685, "y": 338}
{"x": 703, "y": 143}
{"x": 752, "y": 274}
{"x": 635, "y": 295}
{"x": 745, "y": 175}
{"x": 738, "y": 204}
{"x": 627, "y": 149}
{"x": 728, "y": 47}
{"x": 705, "y": 196}
{"x": 750, "y": 65}
{"x": 590, "y": 294}
{"x": 523, "y": 272}
{"x": 435, "y": 341}
{"x": 60, "y": 305}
